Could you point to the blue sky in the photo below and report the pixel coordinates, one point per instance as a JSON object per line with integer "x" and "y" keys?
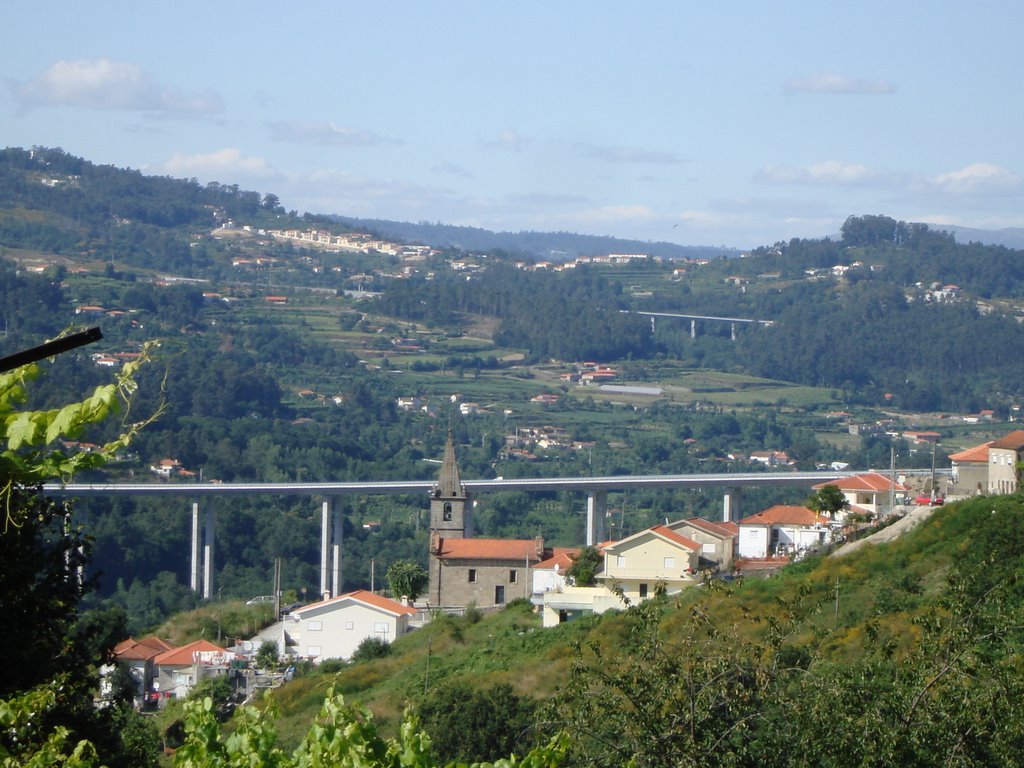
{"x": 730, "y": 123}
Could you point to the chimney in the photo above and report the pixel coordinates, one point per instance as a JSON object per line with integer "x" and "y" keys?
{"x": 539, "y": 546}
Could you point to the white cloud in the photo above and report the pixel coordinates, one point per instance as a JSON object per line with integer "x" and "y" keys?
{"x": 827, "y": 172}
{"x": 324, "y": 135}
{"x": 977, "y": 177}
{"x": 620, "y": 154}
{"x": 452, "y": 169}
{"x": 222, "y": 165}
{"x": 508, "y": 140}
{"x": 831, "y": 82}
{"x": 110, "y": 85}
{"x": 610, "y": 214}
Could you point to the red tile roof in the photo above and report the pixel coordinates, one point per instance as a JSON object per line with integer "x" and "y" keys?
{"x": 869, "y": 481}
{"x": 1013, "y": 441}
{"x": 724, "y": 529}
{"x": 361, "y": 596}
{"x": 978, "y": 453}
{"x": 563, "y": 557}
{"x": 183, "y": 656}
{"x": 489, "y": 549}
{"x": 661, "y": 531}
{"x": 141, "y": 650}
{"x": 786, "y": 514}
{"x": 678, "y": 538}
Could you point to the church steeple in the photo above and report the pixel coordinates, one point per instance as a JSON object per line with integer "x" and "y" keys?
{"x": 449, "y": 483}
{"x": 449, "y": 502}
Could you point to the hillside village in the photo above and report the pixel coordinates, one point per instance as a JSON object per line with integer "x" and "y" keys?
{"x": 467, "y": 572}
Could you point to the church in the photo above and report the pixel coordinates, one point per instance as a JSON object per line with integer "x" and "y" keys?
{"x": 463, "y": 569}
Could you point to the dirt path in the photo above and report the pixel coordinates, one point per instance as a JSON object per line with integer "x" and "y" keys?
{"x": 911, "y": 520}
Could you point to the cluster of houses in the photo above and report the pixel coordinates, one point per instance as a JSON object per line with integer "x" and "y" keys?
{"x": 990, "y": 468}
{"x": 466, "y": 570}
{"x": 674, "y": 556}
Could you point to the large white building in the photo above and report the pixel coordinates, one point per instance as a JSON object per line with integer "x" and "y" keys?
{"x": 334, "y": 628}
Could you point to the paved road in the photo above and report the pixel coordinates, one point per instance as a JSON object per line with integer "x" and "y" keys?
{"x": 912, "y": 519}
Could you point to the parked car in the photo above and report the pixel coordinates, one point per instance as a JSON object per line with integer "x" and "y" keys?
{"x": 928, "y": 501}
{"x": 260, "y": 599}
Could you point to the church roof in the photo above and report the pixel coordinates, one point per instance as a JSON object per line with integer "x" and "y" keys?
{"x": 449, "y": 482}
{"x": 1013, "y": 441}
{"x": 519, "y": 550}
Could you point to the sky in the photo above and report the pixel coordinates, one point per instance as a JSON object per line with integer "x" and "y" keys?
{"x": 738, "y": 123}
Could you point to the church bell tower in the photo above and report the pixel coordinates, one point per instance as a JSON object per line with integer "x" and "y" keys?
{"x": 450, "y": 509}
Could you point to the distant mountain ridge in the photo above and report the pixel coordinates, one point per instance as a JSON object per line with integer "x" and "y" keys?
{"x": 550, "y": 246}
{"x": 1008, "y": 237}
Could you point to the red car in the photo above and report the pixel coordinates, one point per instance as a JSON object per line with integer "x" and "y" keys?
{"x": 928, "y": 501}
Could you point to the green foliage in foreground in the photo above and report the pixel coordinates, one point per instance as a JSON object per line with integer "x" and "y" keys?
{"x": 687, "y": 686}
{"x": 47, "y": 713}
{"x": 342, "y": 736}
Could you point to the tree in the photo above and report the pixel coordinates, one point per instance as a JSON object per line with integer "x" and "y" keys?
{"x": 829, "y": 500}
{"x": 52, "y": 678}
{"x": 371, "y": 648}
{"x": 407, "y": 579}
{"x": 342, "y": 735}
{"x": 468, "y": 724}
{"x": 584, "y": 568}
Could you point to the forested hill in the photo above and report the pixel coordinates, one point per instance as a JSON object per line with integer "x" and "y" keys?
{"x": 553, "y": 246}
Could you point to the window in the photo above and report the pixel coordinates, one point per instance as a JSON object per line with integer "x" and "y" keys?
{"x": 669, "y": 563}
{"x": 350, "y": 625}
{"x": 313, "y": 651}
{"x": 315, "y": 626}
{"x": 472, "y": 575}
{"x": 447, "y": 511}
{"x": 620, "y": 560}
{"x": 380, "y": 627}
{"x": 512, "y": 576}
{"x": 643, "y": 591}
{"x": 709, "y": 548}
{"x": 499, "y": 595}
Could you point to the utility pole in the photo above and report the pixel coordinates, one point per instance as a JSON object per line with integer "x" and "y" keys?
{"x": 934, "y": 444}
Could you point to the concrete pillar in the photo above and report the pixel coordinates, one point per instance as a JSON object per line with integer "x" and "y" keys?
{"x": 693, "y": 329}
{"x": 732, "y": 331}
{"x": 652, "y": 324}
{"x": 597, "y": 507}
{"x": 731, "y": 505}
{"x": 195, "y": 580}
{"x": 208, "y": 555}
{"x": 325, "y": 547}
{"x": 339, "y": 535}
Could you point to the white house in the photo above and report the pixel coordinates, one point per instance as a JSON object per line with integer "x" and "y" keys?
{"x": 781, "y": 530}
{"x": 549, "y": 574}
{"x": 867, "y": 492}
{"x": 334, "y": 628}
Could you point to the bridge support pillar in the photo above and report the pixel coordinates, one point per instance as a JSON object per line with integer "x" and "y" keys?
{"x": 331, "y": 552}
{"x": 208, "y": 555}
{"x": 325, "y": 548}
{"x": 597, "y": 506}
{"x": 195, "y": 582}
{"x": 732, "y": 331}
{"x": 731, "y": 505}
{"x": 693, "y": 329}
{"x": 338, "y": 553}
